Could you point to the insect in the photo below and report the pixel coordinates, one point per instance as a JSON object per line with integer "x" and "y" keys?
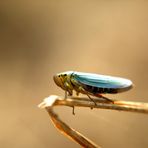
{"x": 91, "y": 84}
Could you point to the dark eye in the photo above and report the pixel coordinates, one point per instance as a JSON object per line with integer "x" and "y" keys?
{"x": 65, "y": 74}
{"x": 59, "y": 76}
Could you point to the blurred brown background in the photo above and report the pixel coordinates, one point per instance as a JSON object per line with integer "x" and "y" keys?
{"x": 41, "y": 38}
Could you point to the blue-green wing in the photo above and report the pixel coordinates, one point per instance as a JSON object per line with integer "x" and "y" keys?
{"x": 101, "y": 81}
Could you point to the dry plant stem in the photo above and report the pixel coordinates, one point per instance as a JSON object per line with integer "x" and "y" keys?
{"x": 52, "y": 101}
{"x": 68, "y": 131}
{"x": 138, "y": 107}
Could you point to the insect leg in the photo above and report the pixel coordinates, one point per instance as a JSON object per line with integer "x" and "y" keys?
{"x": 65, "y": 94}
{"x": 85, "y": 92}
{"x": 105, "y": 98}
{"x": 73, "y": 110}
{"x": 68, "y": 89}
{"x": 69, "y": 92}
{"x": 91, "y": 99}
{"x": 77, "y": 93}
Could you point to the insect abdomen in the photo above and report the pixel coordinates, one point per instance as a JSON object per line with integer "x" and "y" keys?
{"x": 96, "y": 90}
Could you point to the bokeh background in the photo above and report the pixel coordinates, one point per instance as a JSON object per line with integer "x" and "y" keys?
{"x": 39, "y": 38}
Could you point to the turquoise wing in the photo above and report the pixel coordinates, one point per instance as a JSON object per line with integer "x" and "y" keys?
{"x": 101, "y": 81}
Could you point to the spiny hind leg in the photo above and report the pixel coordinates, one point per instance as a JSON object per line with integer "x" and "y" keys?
{"x": 81, "y": 89}
{"x": 105, "y": 98}
{"x": 91, "y": 99}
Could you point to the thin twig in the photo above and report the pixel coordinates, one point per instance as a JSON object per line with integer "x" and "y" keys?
{"x": 52, "y": 101}
{"x": 70, "y": 132}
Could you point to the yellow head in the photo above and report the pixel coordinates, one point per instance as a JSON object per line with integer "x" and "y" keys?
{"x": 62, "y": 78}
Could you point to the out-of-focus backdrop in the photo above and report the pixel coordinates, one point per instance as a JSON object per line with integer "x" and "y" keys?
{"x": 40, "y": 38}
